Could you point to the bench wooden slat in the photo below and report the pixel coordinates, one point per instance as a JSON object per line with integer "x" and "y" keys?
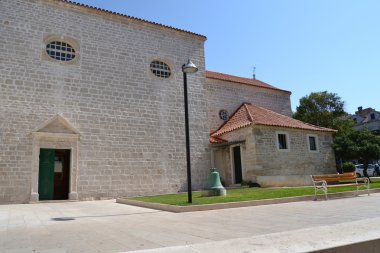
{"x": 328, "y": 177}
{"x": 336, "y": 179}
{"x": 340, "y": 185}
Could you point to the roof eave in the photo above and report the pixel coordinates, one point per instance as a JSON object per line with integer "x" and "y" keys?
{"x": 96, "y": 9}
{"x": 228, "y": 143}
{"x": 249, "y": 84}
{"x": 215, "y": 134}
{"x": 300, "y": 128}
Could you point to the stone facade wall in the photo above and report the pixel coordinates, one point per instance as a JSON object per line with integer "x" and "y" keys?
{"x": 229, "y": 96}
{"x": 131, "y": 123}
{"x": 265, "y": 164}
{"x": 295, "y": 162}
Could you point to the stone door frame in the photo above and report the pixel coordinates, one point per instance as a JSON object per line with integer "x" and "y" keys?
{"x": 55, "y": 140}
{"x": 232, "y": 162}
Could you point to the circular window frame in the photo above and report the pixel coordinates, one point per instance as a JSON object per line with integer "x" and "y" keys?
{"x": 167, "y": 62}
{"x": 226, "y": 113}
{"x": 59, "y": 38}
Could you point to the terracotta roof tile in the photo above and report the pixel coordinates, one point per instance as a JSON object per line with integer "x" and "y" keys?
{"x": 248, "y": 114}
{"x": 214, "y": 139}
{"x": 130, "y": 17}
{"x": 242, "y": 80}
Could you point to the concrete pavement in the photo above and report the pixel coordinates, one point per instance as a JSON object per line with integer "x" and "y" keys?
{"x": 105, "y": 226}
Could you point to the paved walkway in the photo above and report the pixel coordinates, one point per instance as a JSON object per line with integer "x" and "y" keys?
{"x": 105, "y": 226}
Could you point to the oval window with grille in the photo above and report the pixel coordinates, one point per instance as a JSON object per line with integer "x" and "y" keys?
{"x": 60, "y": 51}
{"x": 223, "y": 115}
{"x": 160, "y": 69}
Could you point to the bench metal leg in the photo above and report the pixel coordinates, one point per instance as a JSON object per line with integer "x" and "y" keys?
{"x": 367, "y": 181}
{"x": 321, "y": 187}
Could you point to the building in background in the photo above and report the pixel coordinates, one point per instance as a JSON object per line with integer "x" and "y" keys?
{"x": 367, "y": 118}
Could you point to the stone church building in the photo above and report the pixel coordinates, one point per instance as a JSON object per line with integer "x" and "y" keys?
{"x": 91, "y": 107}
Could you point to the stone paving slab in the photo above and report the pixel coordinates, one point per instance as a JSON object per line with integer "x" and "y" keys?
{"x": 105, "y": 226}
{"x": 302, "y": 240}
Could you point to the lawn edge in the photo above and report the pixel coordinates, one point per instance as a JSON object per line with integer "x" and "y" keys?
{"x": 206, "y": 207}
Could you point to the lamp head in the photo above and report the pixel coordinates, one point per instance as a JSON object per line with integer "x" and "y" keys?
{"x": 189, "y": 67}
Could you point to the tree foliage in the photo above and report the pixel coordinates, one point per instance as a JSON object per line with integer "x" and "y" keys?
{"x": 362, "y": 145}
{"x": 320, "y": 109}
{"x": 344, "y": 126}
{"x": 326, "y": 109}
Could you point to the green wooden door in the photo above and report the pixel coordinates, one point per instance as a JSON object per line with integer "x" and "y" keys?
{"x": 46, "y": 174}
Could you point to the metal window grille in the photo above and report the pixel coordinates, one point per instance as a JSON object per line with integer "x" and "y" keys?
{"x": 60, "y": 51}
{"x": 160, "y": 69}
{"x": 223, "y": 115}
{"x": 282, "y": 141}
{"x": 312, "y": 143}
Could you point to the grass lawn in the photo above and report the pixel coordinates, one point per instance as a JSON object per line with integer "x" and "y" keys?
{"x": 243, "y": 194}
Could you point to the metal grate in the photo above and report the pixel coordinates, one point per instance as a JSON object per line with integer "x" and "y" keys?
{"x": 312, "y": 143}
{"x": 282, "y": 143}
{"x": 160, "y": 69}
{"x": 223, "y": 115}
{"x": 60, "y": 51}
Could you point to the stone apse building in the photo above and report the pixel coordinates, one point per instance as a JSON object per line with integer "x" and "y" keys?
{"x": 91, "y": 107}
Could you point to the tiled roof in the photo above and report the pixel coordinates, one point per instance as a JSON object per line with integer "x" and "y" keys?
{"x": 130, "y": 17}
{"x": 365, "y": 115}
{"x": 248, "y": 114}
{"x": 242, "y": 80}
{"x": 214, "y": 139}
{"x": 364, "y": 112}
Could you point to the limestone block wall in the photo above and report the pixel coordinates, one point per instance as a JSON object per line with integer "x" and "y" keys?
{"x": 295, "y": 164}
{"x": 229, "y": 96}
{"x": 131, "y": 122}
{"x": 265, "y": 164}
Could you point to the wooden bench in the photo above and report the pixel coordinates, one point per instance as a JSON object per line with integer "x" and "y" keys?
{"x": 323, "y": 182}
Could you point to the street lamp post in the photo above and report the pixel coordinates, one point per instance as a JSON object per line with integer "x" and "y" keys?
{"x": 189, "y": 67}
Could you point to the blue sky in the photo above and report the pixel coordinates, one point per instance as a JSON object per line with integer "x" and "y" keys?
{"x": 297, "y": 45}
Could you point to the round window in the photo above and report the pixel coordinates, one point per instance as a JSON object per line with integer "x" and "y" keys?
{"x": 160, "y": 69}
{"x": 223, "y": 115}
{"x": 60, "y": 51}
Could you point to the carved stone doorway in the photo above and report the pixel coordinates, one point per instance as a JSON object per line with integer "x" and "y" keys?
{"x": 55, "y": 134}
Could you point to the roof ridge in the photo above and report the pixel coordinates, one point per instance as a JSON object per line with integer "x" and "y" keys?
{"x": 249, "y": 113}
{"x": 282, "y": 115}
{"x": 130, "y": 17}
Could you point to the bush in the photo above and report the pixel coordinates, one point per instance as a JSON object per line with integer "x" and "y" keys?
{"x": 348, "y": 167}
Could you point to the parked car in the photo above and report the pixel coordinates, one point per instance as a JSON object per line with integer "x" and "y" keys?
{"x": 372, "y": 170}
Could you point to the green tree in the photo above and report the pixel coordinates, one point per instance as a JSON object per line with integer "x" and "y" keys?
{"x": 320, "y": 109}
{"x": 343, "y": 141}
{"x": 344, "y": 126}
{"x": 362, "y": 145}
